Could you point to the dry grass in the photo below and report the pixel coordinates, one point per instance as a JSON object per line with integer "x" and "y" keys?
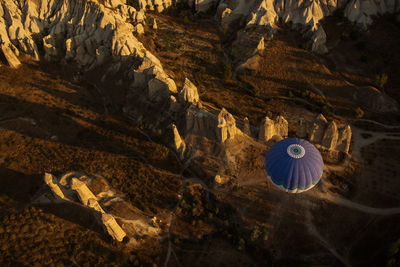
{"x": 35, "y": 238}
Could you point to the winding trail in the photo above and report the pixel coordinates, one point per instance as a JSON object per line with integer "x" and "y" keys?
{"x": 313, "y": 231}
{"x": 357, "y": 206}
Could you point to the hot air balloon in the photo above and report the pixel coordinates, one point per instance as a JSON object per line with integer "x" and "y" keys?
{"x": 294, "y": 165}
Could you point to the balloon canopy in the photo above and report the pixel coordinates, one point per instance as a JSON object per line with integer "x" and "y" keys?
{"x": 294, "y": 165}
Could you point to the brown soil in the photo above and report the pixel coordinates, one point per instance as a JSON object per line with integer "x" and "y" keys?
{"x": 51, "y": 124}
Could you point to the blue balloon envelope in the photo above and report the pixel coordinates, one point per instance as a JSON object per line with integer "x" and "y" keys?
{"x": 294, "y": 165}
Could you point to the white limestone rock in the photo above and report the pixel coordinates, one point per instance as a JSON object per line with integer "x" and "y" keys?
{"x": 11, "y": 58}
{"x": 92, "y": 203}
{"x": 330, "y": 137}
{"x": 301, "y": 130}
{"x": 344, "y": 139}
{"x": 281, "y": 127}
{"x": 51, "y": 181}
{"x": 82, "y": 191}
{"x": 112, "y": 227}
{"x": 318, "y": 129}
{"x": 226, "y": 128}
{"x": 189, "y": 93}
{"x": 178, "y": 144}
{"x": 267, "y": 129}
{"x": 200, "y": 122}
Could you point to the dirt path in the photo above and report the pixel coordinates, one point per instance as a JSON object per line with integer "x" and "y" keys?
{"x": 313, "y": 231}
{"x": 357, "y": 206}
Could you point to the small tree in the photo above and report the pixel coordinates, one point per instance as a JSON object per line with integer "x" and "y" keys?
{"x": 359, "y": 112}
{"x": 381, "y": 80}
{"x": 227, "y": 71}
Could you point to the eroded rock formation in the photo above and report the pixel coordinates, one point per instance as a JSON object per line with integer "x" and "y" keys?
{"x": 317, "y": 129}
{"x": 270, "y": 128}
{"x": 50, "y": 180}
{"x": 226, "y": 128}
{"x": 189, "y": 93}
{"x": 82, "y": 191}
{"x": 281, "y": 127}
{"x": 301, "y": 130}
{"x": 72, "y": 186}
{"x": 344, "y": 139}
{"x": 330, "y": 137}
{"x": 267, "y": 129}
{"x": 112, "y": 227}
{"x": 246, "y": 126}
{"x": 87, "y": 33}
{"x": 178, "y": 143}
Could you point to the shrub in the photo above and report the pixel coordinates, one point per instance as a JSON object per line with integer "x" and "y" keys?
{"x": 363, "y": 58}
{"x": 381, "y": 80}
{"x": 218, "y": 48}
{"x": 360, "y": 45}
{"x": 227, "y": 71}
{"x": 359, "y": 113}
{"x": 186, "y": 20}
{"x": 355, "y": 35}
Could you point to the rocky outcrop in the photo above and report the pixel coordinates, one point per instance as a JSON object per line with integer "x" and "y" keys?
{"x": 189, "y": 93}
{"x": 10, "y": 56}
{"x": 270, "y": 128}
{"x": 226, "y": 128}
{"x": 330, "y": 137}
{"x": 371, "y": 98}
{"x": 50, "y": 180}
{"x": 304, "y": 15}
{"x": 267, "y": 129}
{"x": 112, "y": 227}
{"x": 177, "y": 143}
{"x": 344, "y": 139}
{"x": 318, "y": 129}
{"x": 301, "y": 130}
{"x": 200, "y": 122}
{"x": 95, "y": 205}
{"x": 246, "y": 126}
{"x": 87, "y": 33}
{"x": 82, "y": 191}
{"x": 281, "y": 127}
{"x": 154, "y": 25}
{"x": 362, "y": 11}
{"x": 206, "y": 124}
{"x": 74, "y": 186}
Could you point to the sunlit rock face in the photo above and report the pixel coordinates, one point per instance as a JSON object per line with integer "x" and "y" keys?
{"x": 189, "y": 93}
{"x": 226, "y": 128}
{"x": 271, "y": 128}
{"x": 330, "y": 137}
{"x": 86, "y": 33}
{"x": 178, "y": 144}
{"x": 317, "y": 129}
{"x": 344, "y": 139}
